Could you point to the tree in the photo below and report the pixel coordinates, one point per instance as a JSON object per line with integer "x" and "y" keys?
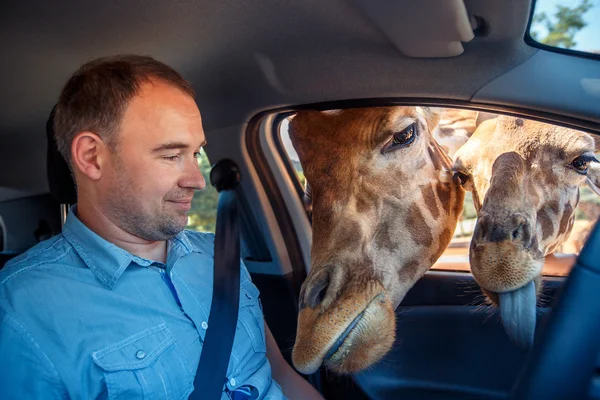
{"x": 562, "y": 26}
{"x": 203, "y": 215}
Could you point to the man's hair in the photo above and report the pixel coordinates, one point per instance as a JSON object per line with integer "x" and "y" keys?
{"x": 95, "y": 98}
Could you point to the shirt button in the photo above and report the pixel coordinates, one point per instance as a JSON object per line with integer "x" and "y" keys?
{"x": 232, "y": 382}
{"x": 204, "y": 325}
{"x": 140, "y": 354}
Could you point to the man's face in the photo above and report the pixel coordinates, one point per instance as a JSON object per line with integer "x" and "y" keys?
{"x": 153, "y": 171}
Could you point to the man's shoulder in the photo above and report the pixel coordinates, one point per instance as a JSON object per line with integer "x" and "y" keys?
{"x": 205, "y": 243}
{"x": 46, "y": 252}
{"x": 201, "y": 241}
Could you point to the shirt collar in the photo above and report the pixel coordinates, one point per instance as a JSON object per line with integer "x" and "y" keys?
{"x": 106, "y": 260}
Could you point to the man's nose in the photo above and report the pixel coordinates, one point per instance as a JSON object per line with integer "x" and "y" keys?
{"x": 193, "y": 177}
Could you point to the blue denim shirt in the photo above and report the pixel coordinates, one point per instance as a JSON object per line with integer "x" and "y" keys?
{"x": 83, "y": 318}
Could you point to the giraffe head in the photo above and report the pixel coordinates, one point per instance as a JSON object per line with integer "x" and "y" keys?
{"x": 384, "y": 208}
{"x": 525, "y": 178}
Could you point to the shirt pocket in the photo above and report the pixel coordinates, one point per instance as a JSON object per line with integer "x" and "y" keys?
{"x": 251, "y": 317}
{"x": 145, "y": 365}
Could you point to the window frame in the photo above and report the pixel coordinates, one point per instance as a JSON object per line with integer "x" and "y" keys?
{"x": 281, "y": 114}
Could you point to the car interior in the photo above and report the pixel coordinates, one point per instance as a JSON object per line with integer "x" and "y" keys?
{"x": 254, "y": 65}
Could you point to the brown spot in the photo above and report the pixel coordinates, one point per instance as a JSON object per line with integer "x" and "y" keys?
{"x": 362, "y": 204}
{"x": 519, "y": 122}
{"x": 418, "y": 229}
{"x": 554, "y": 207}
{"x": 429, "y": 198}
{"x": 421, "y": 163}
{"x": 409, "y": 271}
{"x": 383, "y": 238}
{"x": 458, "y": 201}
{"x": 549, "y": 176}
{"x": 443, "y": 242}
{"x": 564, "y": 221}
{"x": 349, "y": 234}
{"x": 444, "y": 193}
{"x": 444, "y": 131}
{"x": 435, "y": 159}
{"x": 545, "y": 220}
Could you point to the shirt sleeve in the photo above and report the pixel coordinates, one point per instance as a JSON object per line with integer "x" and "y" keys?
{"x": 25, "y": 371}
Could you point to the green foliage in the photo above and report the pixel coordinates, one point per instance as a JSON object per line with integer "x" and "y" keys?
{"x": 562, "y": 26}
{"x": 203, "y": 215}
{"x": 469, "y": 208}
{"x": 301, "y": 178}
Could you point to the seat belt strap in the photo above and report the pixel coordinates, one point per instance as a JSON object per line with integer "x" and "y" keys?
{"x": 211, "y": 374}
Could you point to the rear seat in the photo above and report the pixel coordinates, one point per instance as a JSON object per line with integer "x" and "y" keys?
{"x": 60, "y": 182}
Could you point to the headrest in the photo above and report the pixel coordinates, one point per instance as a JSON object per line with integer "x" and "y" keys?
{"x": 60, "y": 180}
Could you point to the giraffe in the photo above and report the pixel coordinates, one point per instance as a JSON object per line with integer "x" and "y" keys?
{"x": 456, "y": 127}
{"x": 524, "y": 177}
{"x": 384, "y": 207}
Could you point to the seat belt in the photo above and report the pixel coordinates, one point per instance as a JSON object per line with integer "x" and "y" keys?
{"x": 211, "y": 374}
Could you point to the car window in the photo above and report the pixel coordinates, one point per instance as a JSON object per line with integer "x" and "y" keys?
{"x": 451, "y": 133}
{"x": 566, "y": 25}
{"x": 203, "y": 214}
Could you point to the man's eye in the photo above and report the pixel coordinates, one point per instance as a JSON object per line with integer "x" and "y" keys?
{"x": 171, "y": 158}
{"x": 197, "y": 154}
{"x": 582, "y": 163}
{"x": 401, "y": 139}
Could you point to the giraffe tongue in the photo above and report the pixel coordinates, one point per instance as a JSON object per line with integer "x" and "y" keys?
{"x": 517, "y": 310}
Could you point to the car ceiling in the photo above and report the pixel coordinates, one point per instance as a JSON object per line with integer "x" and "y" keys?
{"x": 245, "y": 57}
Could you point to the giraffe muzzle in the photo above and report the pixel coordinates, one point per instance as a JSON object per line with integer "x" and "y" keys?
{"x": 505, "y": 228}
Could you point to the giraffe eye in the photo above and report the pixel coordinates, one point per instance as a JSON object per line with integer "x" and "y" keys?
{"x": 582, "y": 163}
{"x": 401, "y": 139}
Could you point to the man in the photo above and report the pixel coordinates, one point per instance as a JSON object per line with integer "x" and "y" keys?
{"x": 117, "y": 305}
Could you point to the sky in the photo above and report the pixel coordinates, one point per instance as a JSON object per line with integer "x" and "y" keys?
{"x": 587, "y": 38}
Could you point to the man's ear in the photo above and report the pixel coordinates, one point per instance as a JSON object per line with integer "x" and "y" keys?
{"x": 87, "y": 154}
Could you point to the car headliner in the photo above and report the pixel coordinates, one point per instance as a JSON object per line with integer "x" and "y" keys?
{"x": 245, "y": 57}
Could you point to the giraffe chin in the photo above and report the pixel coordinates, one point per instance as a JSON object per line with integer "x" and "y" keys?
{"x": 363, "y": 342}
{"x": 509, "y": 275}
{"x": 504, "y": 266}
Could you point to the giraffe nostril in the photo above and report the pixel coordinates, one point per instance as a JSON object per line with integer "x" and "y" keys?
{"x": 517, "y": 233}
{"x": 317, "y": 289}
{"x": 494, "y": 230}
{"x": 321, "y": 295}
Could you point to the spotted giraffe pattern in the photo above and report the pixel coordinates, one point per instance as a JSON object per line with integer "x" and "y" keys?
{"x": 379, "y": 221}
{"x": 526, "y": 188}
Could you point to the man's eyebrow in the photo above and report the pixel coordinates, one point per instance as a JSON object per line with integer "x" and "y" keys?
{"x": 173, "y": 146}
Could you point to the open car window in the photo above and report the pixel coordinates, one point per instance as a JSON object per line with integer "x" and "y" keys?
{"x": 555, "y": 165}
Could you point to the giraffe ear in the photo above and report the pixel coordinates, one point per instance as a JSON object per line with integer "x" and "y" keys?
{"x": 431, "y": 115}
{"x": 593, "y": 177}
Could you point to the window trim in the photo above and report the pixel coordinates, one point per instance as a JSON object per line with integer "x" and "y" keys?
{"x": 282, "y": 113}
